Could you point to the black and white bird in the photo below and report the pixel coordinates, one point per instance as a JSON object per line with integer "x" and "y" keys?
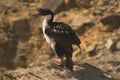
{"x": 60, "y": 37}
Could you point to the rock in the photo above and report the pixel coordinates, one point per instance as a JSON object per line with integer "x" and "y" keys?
{"x": 2, "y": 51}
{"x": 84, "y": 3}
{"x": 9, "y": 4}
{"x": 28, "y": 0}
{"x": 52, "y": 72}
{"x": 105, "y": 2}
{"x": 118, "y": 45}
{"x": 109, "y": 44}
{"x": 49, "y": 4}
{"x": 112, "y": 20}
{"x": 91, "y": 49}
{"x": 11, "y": 37}
{"x": 59, "y": 5}
{"x": 14, "y": 10}
{"x": 113, "y": 45}
{"x": 80, "y": 24}
{"x": 3, "y": 38}
{"x": 40, "y": 59}
{"x": 97, "y": 12}
{"x": 32, "y": 4}
{"x": 76, "y": 53}
{"x": 82, "y": 20}
{"x": 21, "y": 28}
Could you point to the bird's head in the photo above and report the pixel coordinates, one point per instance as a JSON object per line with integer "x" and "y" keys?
{"x": 44, "y": 11}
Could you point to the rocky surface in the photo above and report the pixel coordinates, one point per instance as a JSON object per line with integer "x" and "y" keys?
{"x": 82, "y": 72}
{"x": 24, "y": 54}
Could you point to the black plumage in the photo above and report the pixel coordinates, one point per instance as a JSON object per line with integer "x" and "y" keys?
{"x": 59, "y": 36}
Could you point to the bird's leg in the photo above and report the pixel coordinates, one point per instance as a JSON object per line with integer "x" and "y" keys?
{"x": 69, "y": 63}
{"x": 59, "y": 61}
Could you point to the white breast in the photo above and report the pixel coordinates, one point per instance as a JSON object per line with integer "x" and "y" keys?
{"x": 49, "y": 40}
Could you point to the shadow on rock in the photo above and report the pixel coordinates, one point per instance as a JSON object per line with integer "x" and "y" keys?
{"x": 90, "y": 72}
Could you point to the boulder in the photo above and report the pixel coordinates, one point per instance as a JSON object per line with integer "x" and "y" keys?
{"x": 81, "y": 23}
{"x": 91, "y": 50}
{"x": 52, "y": 72}
{"x": 112, "y": 20}
{"x": 21, "y": 28}
{"x": 109, "y": 44}
{"x": 118, "y": 45}
{"x": 59, "y": 5}
{"x": 3, "y": 38}
{"x": 49, "y": 4}
{"x": 113, "y": 44}
{"x": 84, "y": 3}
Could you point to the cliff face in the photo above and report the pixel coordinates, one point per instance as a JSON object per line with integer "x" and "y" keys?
{"x": 22, "y": 43}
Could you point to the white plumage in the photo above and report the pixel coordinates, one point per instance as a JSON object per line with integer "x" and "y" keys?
{"x": 49, "y": 40}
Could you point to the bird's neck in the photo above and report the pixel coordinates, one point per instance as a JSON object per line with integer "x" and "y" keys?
{"x": 49, "y": 19}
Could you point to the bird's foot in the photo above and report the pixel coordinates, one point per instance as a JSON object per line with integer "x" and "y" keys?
{"x": 59, "y": 62}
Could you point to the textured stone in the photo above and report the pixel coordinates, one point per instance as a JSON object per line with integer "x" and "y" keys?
{"x": 84, "y": 3}
{"x": 109, "y": 44}
{"x": 81, "y": 23}
{"x": 46, "y": 72}
{"x": 118, "y": 45}
{"x": 21, "y": 28}
{"x": 113, "y": 45}
{"x": 3, "y": 38}
{"x": 59, "y": 5}
{"x": 91, "y": 50}
{"x": 112, "y": 20}
{"x": 49, "y": 4}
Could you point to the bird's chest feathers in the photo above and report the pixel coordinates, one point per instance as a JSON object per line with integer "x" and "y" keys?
{"x": 49, "y": 40}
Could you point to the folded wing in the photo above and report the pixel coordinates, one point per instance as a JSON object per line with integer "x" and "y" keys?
{"x": 62, "y": 33}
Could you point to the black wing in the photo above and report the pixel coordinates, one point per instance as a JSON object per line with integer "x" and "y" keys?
{"x": 63, "y": 32}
